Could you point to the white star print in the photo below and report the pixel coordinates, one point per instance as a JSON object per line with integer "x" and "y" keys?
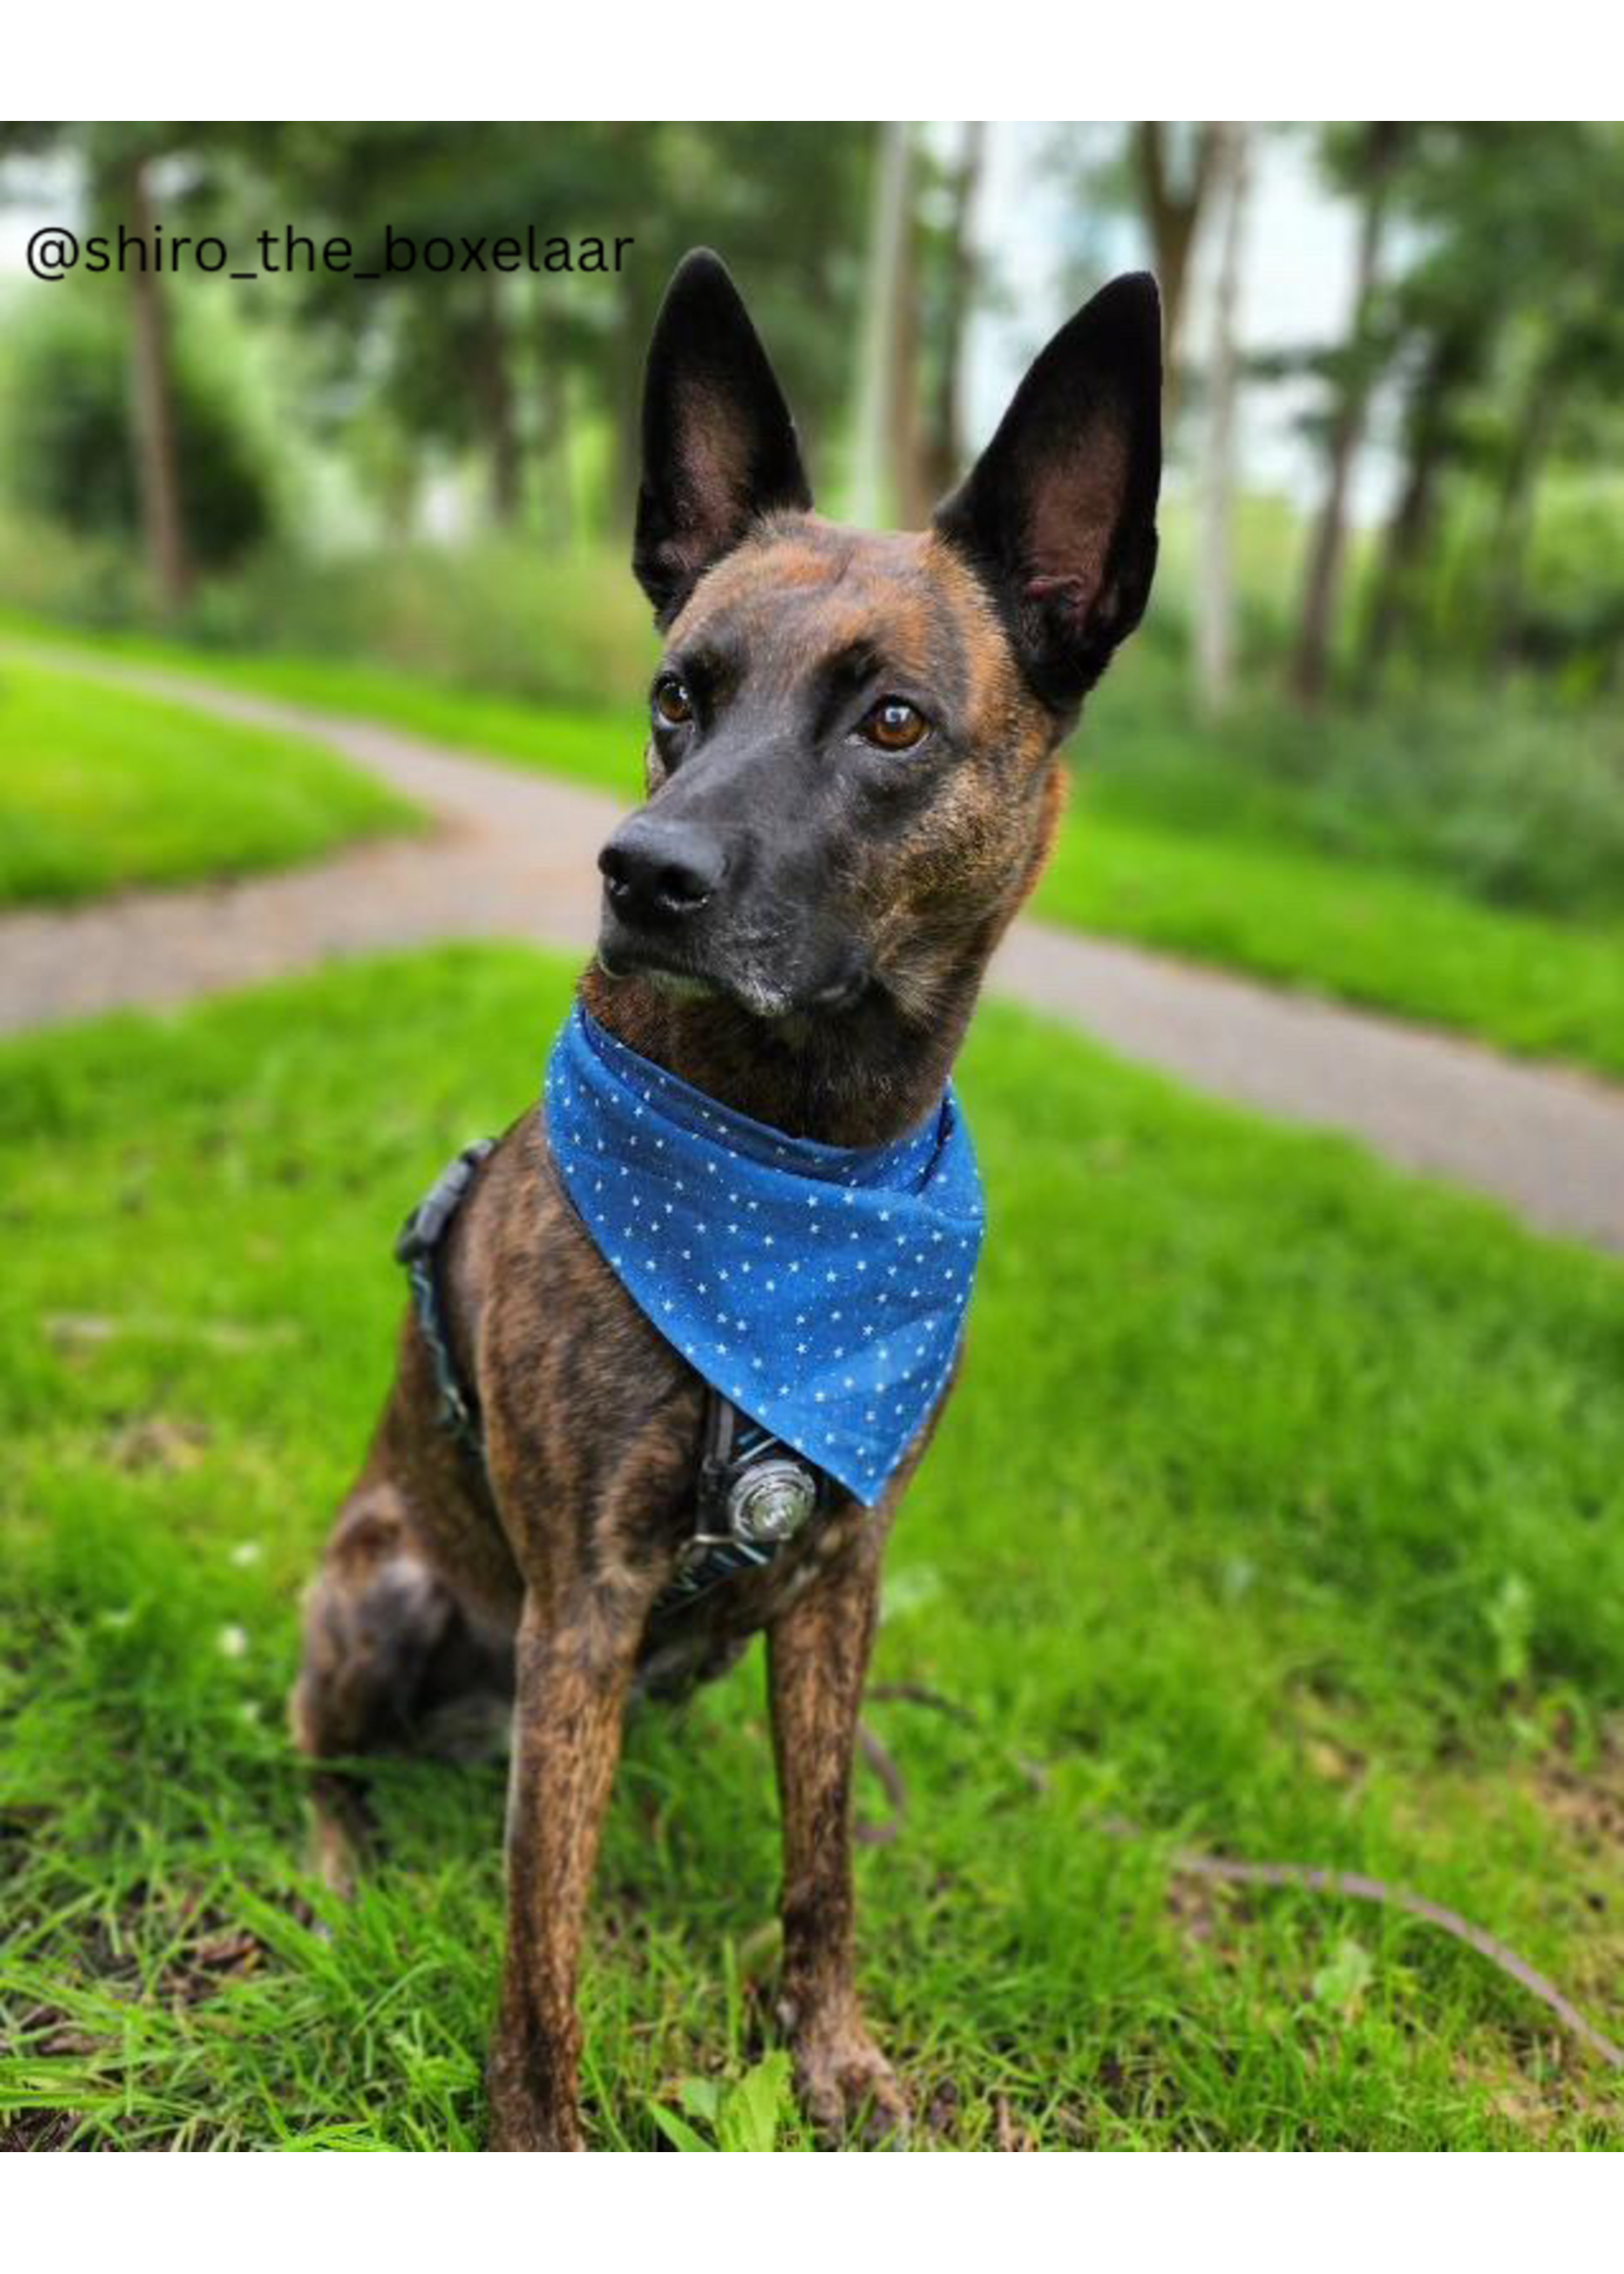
{"x": 924, "y": 1183}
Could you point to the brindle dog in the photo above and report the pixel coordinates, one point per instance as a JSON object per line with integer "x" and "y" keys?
{"x": 852, "y": 786}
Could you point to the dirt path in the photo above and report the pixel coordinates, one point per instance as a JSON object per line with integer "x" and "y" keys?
{"x": 515, "y": 858}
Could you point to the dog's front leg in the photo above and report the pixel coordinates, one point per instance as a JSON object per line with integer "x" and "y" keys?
{"x": 817, "y": 1657}
{"x": 572, "y": 1685}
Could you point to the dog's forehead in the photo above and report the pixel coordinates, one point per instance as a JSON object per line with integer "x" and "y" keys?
{"x": 801, "y": 590}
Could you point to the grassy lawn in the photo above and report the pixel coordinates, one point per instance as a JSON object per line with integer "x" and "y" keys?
{"x": 1223, "y": 882}
{"x": 1278, "y": 1515}
{"x": 1379, "y": 936}
{"x": 600, "y": 747}
{"x": 99, "y": 788}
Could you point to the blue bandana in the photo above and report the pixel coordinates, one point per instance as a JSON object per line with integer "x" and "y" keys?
{"x": 823, "y": 1289}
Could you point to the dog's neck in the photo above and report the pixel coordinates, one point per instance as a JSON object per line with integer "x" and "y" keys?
{"x": 858, "y": 1077}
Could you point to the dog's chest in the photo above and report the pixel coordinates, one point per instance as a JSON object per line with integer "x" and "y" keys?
{"x": 705, "y": 1637}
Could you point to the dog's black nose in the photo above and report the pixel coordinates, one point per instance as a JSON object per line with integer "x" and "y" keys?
{"x": 661, "y": 869}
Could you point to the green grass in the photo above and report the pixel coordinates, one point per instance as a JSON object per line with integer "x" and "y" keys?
{"x": 1279, "y": 1513}
{"x": 100, "y": 787}
{"x": 1379, "y": 936}
{"x": 1158, "y": 848}
{"x": 1507, "y": 796}
{"x": 603, "y": 749}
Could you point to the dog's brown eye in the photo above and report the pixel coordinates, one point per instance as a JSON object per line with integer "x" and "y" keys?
{"x": 894, "y": 726}
{"x": 672, "y": 703}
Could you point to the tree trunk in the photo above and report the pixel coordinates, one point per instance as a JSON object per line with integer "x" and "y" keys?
{"x": 557, "y": 499}
{"x": 1514, "y": 518}
{"x": 944, "y": 443}
{"x": 626, "y": 348}
{"x": 1173, "y": 213}
{"x": 910, "y": 489}
{"x": 1402, "y": 547}
{"x": 1215, "y": 586}
{"x": 1450, "y": 361}
{"x": 879, "y": 377}
{"x": 1311, "y": 661}
{"x": 493, "y": 393}
{"x": 158, "y": 471}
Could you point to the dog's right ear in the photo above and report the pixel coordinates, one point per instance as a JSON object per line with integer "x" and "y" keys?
{"x": 719, "y": 444}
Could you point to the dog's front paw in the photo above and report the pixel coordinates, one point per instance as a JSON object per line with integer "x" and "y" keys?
{"x": 848, "y": 2089}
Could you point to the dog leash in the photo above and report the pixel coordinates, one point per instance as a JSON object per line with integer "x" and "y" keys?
{"x": 752, "y": 1492}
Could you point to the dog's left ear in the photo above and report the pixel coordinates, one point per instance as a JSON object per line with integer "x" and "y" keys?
{"x": 719, "y": 443}
{"x": 1059, "y": 514}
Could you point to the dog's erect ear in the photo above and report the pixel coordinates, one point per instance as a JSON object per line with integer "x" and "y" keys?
{"x": 719, "y": 444}
{"x": 1059, "y": 514}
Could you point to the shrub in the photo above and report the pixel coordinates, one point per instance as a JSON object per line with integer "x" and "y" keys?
{"x": 68, "y": 440}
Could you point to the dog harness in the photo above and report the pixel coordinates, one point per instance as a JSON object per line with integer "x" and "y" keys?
{"x": 819, "y": 1291}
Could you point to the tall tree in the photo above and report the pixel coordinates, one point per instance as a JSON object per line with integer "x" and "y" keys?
{"x": 955, "y": 266}
{"x": 1450, "y": 355}
{"x": 1174, "y": 165}
{"x": 1366, "y": 161}
{"x": 157, "y": 463}
{"x": 1509, "y": 341}
{"x": 1215, "y": 593}
{"x": 117, "y": 162}
{"x": 451, "y": 357}
{"x": 884, "y": 372}
{"x": 1571, "y": 378}
{"x": 784, "y": 204}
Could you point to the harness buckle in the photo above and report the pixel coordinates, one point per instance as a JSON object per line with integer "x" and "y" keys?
{"x": 770, "y": 1500}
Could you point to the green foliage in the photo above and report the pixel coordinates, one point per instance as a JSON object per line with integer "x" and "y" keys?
{"x": 94, "y": 584}
{"x": 1509, "y": 796}
{"x": 65, "y": 426}
{"x": 1218, "y": 1532}
{"x": 497, "y": 618}
{"x": 1573, "y": 612}
{"x": 507, "y": 365}
{"x": 1501, "y": 331}
{"x": 1570, "y": 609}
{"x": 743, "y": 2118}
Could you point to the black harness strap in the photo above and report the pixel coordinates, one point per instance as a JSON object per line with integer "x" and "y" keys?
{"x": 418, "y": 1247}
{"x": 752, "y": 1492}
